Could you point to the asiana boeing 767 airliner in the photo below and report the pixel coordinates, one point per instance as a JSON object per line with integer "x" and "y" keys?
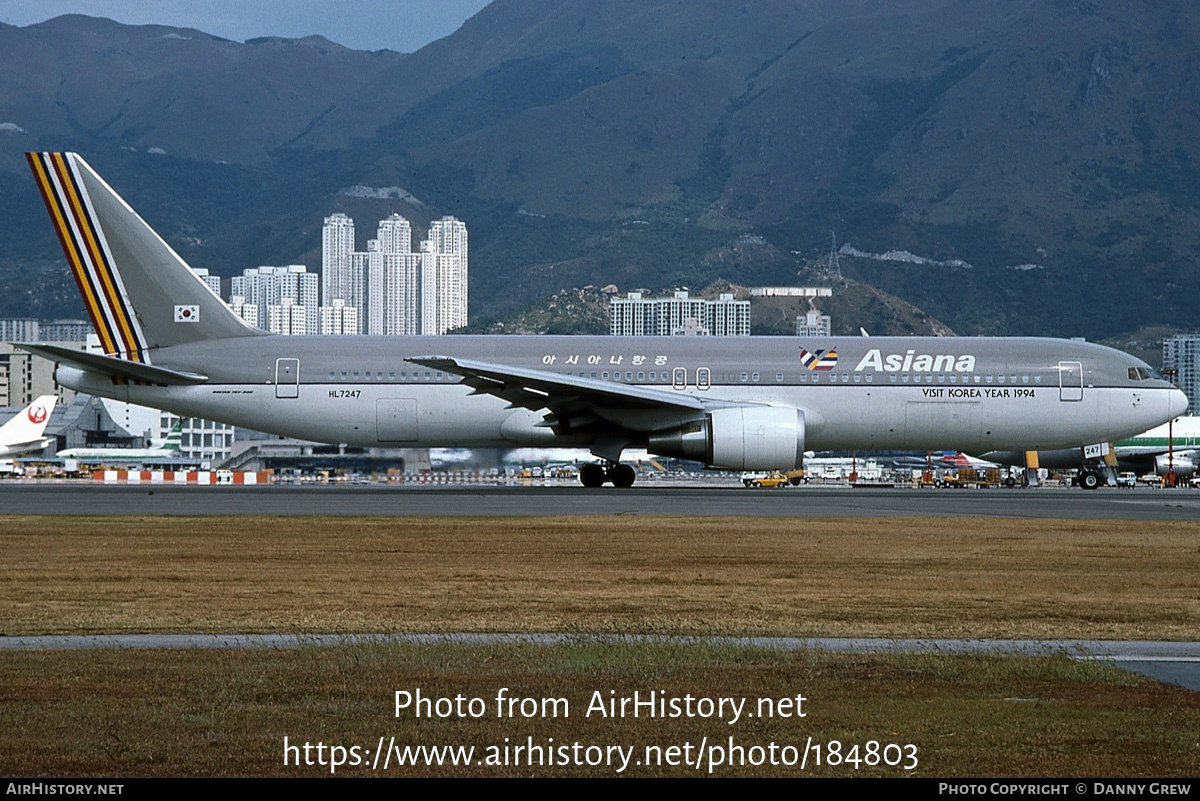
{"x": 733, "y": 403}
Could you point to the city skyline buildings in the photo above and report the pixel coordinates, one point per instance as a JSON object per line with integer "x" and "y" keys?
{"x": 679, "y": 315}
{"x": 393, "y": 289}
{"x": 271, "y": 289}
{"x": 388, "y": 289}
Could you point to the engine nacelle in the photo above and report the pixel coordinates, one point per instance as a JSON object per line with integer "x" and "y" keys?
{"x": 1184, "y": 466}
{"x": 742, "y": 438}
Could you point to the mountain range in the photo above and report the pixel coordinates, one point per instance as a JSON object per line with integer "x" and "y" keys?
{"x": 1008, "y": 166}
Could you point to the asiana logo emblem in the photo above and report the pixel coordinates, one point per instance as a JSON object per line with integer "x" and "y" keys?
{"x": 910, "y": 360}
{"x": 819, "y": 359}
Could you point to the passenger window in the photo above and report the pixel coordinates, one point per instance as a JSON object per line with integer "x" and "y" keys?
{"x": 745, "y": 377}
{"x": 754, "y": 378}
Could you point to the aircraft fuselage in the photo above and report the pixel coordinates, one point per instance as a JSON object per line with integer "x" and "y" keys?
{"x": 874, "y": 393}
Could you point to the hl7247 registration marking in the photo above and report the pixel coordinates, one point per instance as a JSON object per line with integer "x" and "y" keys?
{"x": 344, "y": 393}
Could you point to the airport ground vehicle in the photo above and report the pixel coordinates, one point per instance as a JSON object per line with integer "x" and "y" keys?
{"x": 775, "y": 479}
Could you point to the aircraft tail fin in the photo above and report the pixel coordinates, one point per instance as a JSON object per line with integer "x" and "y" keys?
{"x": 173, "y": 440}
{"x": 139, "y": 293}
{"x": 29, "y": 425}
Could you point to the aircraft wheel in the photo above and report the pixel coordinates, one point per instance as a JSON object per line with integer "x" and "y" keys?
{"x": 591, "y": 475}
{"x": 1010, "y": 482}
{"x": 622, "y": 475}
{"x": 1089, "y": 481}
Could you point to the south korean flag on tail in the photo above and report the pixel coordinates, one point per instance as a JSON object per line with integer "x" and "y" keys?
{"x": 187, "y": 314}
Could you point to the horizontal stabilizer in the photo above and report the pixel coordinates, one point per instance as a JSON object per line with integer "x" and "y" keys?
{"x": 113, "y": 367}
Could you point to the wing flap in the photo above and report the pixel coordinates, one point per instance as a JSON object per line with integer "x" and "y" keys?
{"x": 575, "y": 404}
{"x": 539, "y": 389}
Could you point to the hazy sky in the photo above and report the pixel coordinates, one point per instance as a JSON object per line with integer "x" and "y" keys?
{"x": 403, "y": 25}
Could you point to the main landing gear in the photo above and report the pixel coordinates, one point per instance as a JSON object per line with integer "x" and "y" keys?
{"x": 595, "y": 475}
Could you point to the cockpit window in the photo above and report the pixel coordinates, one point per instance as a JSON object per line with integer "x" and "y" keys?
{"x": 1140, "y": 374}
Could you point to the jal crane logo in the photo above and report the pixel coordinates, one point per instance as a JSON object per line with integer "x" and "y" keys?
{"x": 37, "y": 414}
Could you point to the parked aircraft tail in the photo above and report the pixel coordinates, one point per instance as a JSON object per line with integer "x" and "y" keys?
{"x": 138, "y": 292}
{"x": 24, "y": 432}
{"x": 173, "y": 440}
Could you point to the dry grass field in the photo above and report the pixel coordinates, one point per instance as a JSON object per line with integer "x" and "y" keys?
{"x": 116, "y": 713}
{"x": 875, "y": 578}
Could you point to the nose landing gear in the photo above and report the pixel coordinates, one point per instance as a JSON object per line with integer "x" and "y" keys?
{"x": 595, "y": 475}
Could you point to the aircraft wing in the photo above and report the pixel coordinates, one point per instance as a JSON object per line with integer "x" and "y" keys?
{"x": 577, "y": 405}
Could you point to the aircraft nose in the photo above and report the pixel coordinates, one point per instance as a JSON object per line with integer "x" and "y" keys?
{"x": 1178, "y": 403}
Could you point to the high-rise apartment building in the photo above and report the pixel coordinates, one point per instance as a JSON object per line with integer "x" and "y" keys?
{"x": 393, "y": 272}
{"x": 1181, "y": 353}
{"x": 680, "y": 315}
{"x": 265, "y": 287}
{"x": 244, "y": 309}
{"x": 23, "y": 330}
{"x": 395, "y": 290}
{"x": 339, "y": 319}
{"x": 337, "y": 273}
{"x": 213, "y": 282}
{"x": 66, "y": 331}
{"x": 444, "y": 295}
{"x": 287, "y": 317}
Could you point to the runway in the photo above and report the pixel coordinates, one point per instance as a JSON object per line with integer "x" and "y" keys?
{"x": 1171, "y": 662}
{"x": 52, "y": 498}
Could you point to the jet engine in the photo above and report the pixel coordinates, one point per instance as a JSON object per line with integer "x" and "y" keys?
{"x": 1184, "y": 464}
{"x": 740, "y": 438}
